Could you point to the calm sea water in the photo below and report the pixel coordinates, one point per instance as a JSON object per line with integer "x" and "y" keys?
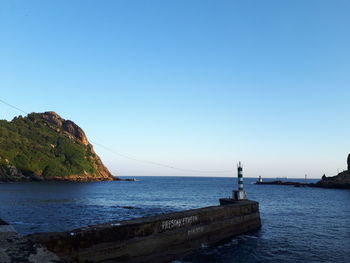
{"x": 299, "y": 224}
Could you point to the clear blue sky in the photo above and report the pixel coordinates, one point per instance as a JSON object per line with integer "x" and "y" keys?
{"x": 193, "y": 84}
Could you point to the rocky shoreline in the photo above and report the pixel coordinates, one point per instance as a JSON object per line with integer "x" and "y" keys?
{"x": 339, "y": 181}
{"x": 17, "y": 248}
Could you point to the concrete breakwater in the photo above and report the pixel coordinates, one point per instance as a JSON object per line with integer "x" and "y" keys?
{"x": 296, "y": 184}
{"x": 159, "y": 238}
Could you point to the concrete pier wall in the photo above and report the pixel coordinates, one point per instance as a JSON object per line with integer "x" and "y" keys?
{"x": 153, "y": 239}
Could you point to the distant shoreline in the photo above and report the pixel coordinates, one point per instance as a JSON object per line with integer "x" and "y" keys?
{"x": 298, "y": 184}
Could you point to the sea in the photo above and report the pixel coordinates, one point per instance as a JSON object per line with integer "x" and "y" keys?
{"x": 299, "y": 224}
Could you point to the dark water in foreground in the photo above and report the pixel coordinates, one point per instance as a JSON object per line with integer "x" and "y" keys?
{"x": 299, "y": 224}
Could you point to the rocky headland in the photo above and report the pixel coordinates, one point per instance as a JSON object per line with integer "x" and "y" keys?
{"x": 44, "y": 147}
{"x": 341, "y": 180}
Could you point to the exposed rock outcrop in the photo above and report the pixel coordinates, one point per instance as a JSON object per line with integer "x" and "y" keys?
{"x": 341, "y": 180}
{"x": 9, "y": 173}
{"x": 67, "y": 126}
{"x": 17, "y": 248}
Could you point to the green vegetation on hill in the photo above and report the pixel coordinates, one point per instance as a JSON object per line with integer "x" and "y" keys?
{"x": 36, "y": 147}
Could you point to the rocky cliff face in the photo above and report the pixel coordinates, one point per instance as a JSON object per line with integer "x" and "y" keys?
{"x": 68, "y": 127}
{"x": 44, "y": 146}
{"x": 341, "y": 180}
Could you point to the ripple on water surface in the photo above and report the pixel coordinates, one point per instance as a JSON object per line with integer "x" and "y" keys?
{"x": 299, "y": 224}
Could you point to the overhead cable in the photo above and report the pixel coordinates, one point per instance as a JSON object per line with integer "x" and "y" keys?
{"x": 133, "y": 158}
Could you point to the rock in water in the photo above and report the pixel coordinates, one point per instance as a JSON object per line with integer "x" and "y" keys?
{"x": 341, "y": 180}
{"x": 44, "y": 146}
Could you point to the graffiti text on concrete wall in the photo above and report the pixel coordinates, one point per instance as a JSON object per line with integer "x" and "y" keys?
{"x": 195, "y": 230}
{"x": 175, "y": 223}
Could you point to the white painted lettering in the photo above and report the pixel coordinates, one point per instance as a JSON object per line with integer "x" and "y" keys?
{"x": 176, "y": 223}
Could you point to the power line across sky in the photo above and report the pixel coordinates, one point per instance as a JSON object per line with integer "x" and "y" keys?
{"x": 139, "y": 160}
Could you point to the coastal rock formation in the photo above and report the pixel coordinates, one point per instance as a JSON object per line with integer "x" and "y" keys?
{"x": 67, "y": 126}
{"x": 17, "y": 248}
{"x": 341, "y": 180}
{"x": 44, "y": 146}
{"x": 11, "y": 173}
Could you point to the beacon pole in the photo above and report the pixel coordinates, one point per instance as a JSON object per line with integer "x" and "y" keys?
{"x": 240, "y": 194}
{"x": 237, "y": 195}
